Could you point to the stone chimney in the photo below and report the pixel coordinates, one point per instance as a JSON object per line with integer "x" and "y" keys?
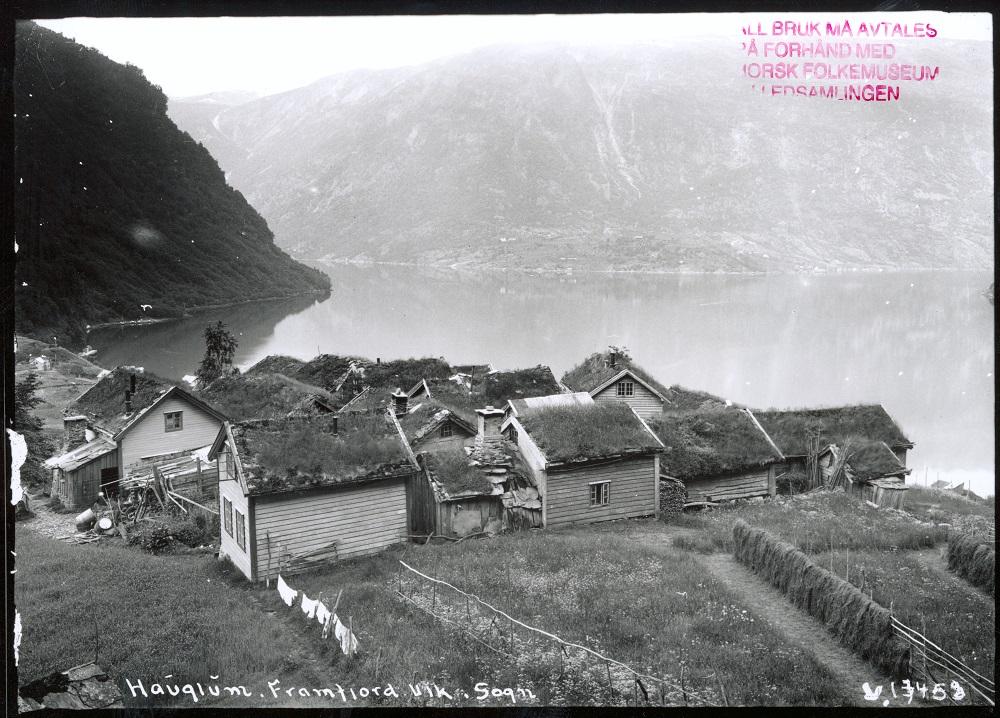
{"x": 490, "y": 419}
{"x": 400, "y": 398}
{"x": 74, "y": 432}
{"x": 612, "y": 360}
{"x": 333, "y": 425}
{"x": 128, "y": 401}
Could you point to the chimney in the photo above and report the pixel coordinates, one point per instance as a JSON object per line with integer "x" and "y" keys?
{"x": 490, "y": 419}
{"x": 333, "y": 425}
{"x": 378, "y": 360}
{"x": 131, "y": 383}
{"x": 74, "y": 432}
{"x": 128, "y": 401}
{"x": 612, "y": 360}
{"x": 400, "y": 397}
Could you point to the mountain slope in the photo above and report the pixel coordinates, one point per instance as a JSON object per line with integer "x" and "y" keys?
{"x": 117, "y": 208}
{"x": 623, "y": 157}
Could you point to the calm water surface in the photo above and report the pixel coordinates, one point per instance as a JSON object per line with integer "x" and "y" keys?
{"x": 919, "y": 343}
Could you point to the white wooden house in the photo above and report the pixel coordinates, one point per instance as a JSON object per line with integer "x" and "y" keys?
{"x": 590, "y": 461}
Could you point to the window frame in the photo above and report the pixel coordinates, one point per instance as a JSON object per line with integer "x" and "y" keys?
{"x": 241, "y": 530}
{"x": 625, "y": 388}
{"x": 227, "y": 515}
{"x": 603, "y": 495}
{"x": 179, "y": 424}
{"x": 446, "y": 431}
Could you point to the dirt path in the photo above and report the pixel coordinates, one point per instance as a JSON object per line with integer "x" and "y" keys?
{"x": 935, "y": 560}
{"x": 770, "y": 605}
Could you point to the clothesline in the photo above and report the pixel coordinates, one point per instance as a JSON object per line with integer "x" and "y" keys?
{"x": 315, "y": 609}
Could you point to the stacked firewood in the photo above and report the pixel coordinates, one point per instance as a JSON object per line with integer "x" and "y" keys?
{"x": 673, "y": 496}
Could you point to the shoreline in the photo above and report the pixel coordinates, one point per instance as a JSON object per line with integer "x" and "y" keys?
{"x": 193, "y": 311}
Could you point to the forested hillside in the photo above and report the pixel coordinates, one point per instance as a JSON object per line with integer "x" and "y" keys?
{"x": 116, "y": 208}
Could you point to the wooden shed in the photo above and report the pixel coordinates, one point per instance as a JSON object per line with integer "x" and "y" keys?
{"x": 720, "y": 454}
{"x": 797, "y": 432}
{"x": 867, "y": 469}
{"x": 613, "y": 377}
{"x": 295, "y": 492}
{"x": 590, "y": 462}
{"x": 81, "y": 473}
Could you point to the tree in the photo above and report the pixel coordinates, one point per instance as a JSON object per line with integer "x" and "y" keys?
{"x": 220, "y": 347}
{"x": 30, "y": 427}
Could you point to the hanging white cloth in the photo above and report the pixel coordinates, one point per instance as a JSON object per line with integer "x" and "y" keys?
{"x": 348, "y": 643}
{"x": 322, "y": 613}
{"x": 288, "y": 594}
{"x": 308, "y": 606}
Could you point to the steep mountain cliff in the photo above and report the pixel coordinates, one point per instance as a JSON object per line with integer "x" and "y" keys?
{"x": 120, "y": 215}
{"x": 638, "y": 157}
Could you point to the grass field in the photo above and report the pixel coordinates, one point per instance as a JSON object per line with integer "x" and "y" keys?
{"x": 182, "y": 616}
{"x": 815, "y": 522}
{"x": 958, "y": 617}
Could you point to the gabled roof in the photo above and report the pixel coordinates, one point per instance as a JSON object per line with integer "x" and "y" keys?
{"x": 502, "y": 386}
{"x": 174, "y": 392}
{"x": 870, "y": 460}
{"x": 522, "y": 407}
{"x": 594, "y": 375}
{"x": 104, "y": 402}
{"x": 426, "y": 416}
{"x": 294, "y": 454}
{"x": 702, "y": 443}
{"x": 264, "y": 395}
{"x": 579, "y": 433}
{"x": 81, "y": 455}
{"x": 790, "y": 429}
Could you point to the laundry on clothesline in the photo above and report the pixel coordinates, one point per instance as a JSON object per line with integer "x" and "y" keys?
{"x": 348, "y": 643}
{"x": 322, "y": 613}
{"x": 308, "y": 606}
{"x": 287, "y": 593}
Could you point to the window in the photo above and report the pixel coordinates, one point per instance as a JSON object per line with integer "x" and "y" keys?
{"x": 173, "y": 420}
{"x": 241, "y": 539}
{"x": 512, "y": 433}
{"x": 446, "y": 430}
{"x": 600, "y": 493}
{"x": 230, "y": 465}
{"x": 626, "y": 388}
{"x": 227, "y": 515}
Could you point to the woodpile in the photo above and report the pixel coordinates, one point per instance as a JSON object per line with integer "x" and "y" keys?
{"x": 673, "y": 496}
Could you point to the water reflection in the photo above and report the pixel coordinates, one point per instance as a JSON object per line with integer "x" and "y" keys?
{"x": 920, "y": 343}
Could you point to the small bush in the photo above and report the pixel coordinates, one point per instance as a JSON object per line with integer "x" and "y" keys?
{"x": 793, "y": 482}
{"x": 55, "y": 503}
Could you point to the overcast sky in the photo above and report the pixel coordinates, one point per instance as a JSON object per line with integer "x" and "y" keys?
{"x": 193, "y": 56}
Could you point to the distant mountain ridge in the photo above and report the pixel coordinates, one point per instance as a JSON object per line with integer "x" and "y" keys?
{"x": 119, "y": 215}
{"x": 638, "y": 157}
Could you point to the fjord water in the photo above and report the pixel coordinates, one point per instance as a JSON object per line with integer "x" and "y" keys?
{"x": 920, "y": 343}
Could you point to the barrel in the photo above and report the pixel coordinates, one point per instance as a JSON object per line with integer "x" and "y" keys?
{"x": 85, "y": 520}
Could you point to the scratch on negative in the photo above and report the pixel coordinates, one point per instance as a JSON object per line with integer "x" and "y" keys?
{"x": 18, "y": 453}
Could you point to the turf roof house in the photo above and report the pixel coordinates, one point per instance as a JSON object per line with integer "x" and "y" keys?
{"x": 791, "y": 431}
{"x": 871, "y": 470}
{"x": 609, "y": 376}
{"x": 719, "y": 454}
{"x": 294, "y": 491}
{"x": 127, "y": 420}
{"x": 590, "y": 461}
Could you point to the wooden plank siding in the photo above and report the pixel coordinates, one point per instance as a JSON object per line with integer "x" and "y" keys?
{"x": 469, "y": 516}
{"x": 744, "y": 485}
{"x": 78, "y": 489}
{"x": 360, "y": 520}
{"x": 646, "y": 403}
{"x": 421, "y": 506}
{"x": 231, "y": 489}
{"x": 632, "y": 491}
{"x": 435, "y": 442}
{"x": 149, "y": 437}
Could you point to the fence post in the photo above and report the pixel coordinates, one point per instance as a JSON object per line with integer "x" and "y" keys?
{"x": 611, "y": 685}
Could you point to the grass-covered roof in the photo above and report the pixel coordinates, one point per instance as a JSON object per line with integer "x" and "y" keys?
{"x": 790, "y": 429}
{"x": 456, "y": 474}
{"x": 593, "y": 371}
{"x": 298, "y": 453}
{"x": 872, "y": 460}
{"x": 261, "y": 395}
{"x": 104, "y": 402}
{"x": 327, "y": 370}
{"x": 276, "y": 364}
{"x": 708, "y": 442}
{"x": 682, "y": 399}
{"x": 519, "y": 384}
{"x": 426, "y": 413}
{"x": 580, "y": 433}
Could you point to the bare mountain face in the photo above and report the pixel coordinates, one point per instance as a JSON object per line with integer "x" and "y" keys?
{"x": 645, "y": 157}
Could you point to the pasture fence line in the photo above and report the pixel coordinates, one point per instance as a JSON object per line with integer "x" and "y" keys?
{"x": 924, "y": 651}
{"x": 637, "y": 677}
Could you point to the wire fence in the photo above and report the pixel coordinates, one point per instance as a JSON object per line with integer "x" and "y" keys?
{"x": 934, "y": 663}
{"x": 504, "y": 635}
